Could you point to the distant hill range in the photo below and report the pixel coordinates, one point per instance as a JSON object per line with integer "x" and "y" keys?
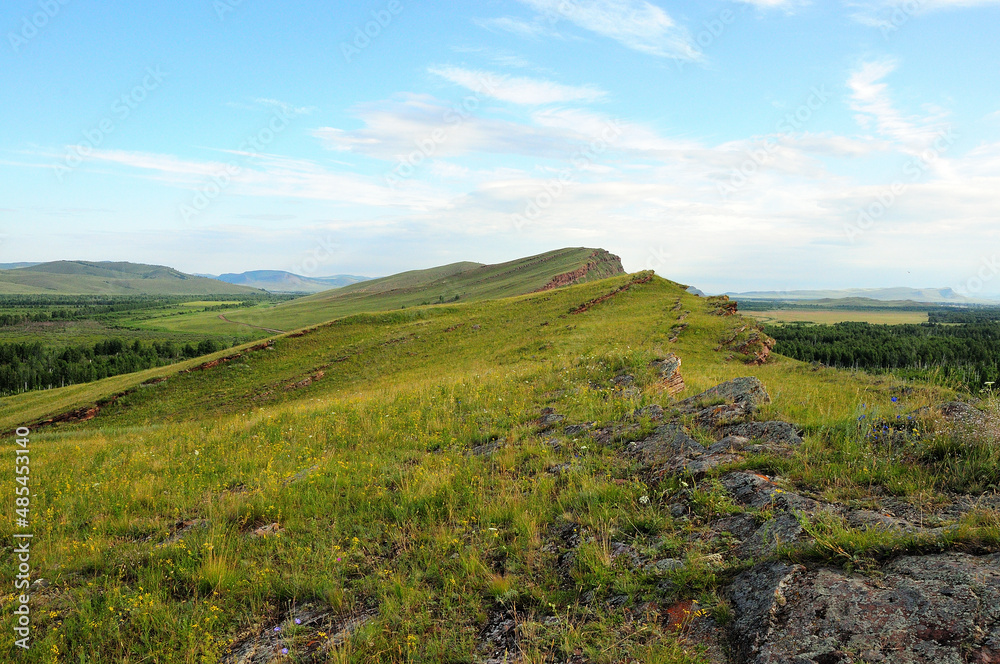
{"x": 14, "y": 266}
{"x": 279, "y": 281}
{"x": 108, "y": 278}
{"x": 926, "y": 295}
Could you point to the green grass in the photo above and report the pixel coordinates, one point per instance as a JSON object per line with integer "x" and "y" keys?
{"x": 384, "y": 511}
{"x": 831, "y": 316}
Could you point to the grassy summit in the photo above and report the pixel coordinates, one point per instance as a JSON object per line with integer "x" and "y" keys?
{"x": 457, "y": 282}
{"x": 450, "y": 483}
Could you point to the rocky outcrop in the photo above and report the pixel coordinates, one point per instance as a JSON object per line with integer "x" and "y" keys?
{"x": 669, "y": 369}
{"x": 732, "y": 401}
{"x": 600, "y": 265}
{"x": 640, "y": 278}
{"x": 942, "y": 608}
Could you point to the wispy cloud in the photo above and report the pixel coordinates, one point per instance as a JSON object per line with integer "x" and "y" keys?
{"x": 398, "y": 126}
{"x": 875, "y": 110}
{"x": 269, "y": 175}
{"x": 515, "y": 26}
{"x": 636, "y": 24}
{"x": 892, "y": 13}
{"x": 518, "y": 90}
{"x": 286, "y": 108}
{"x": 774, "y": 4}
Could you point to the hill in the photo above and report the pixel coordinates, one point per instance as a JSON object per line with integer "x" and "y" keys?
{"x": 615, "y": 471}
{"x": 924, "y": 295}
{"x": 111, "y": 278}
{"x": 14, "y": 266}
{"x": 279, "y": 281}
{"x": 457, "y": 282}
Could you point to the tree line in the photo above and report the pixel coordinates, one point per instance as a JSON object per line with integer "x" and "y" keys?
{"x": 29, "y": 366}
{"x": 968, "y": 354}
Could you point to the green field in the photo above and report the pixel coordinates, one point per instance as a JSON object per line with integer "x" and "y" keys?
{"x": 831, "y": 316}
{"x": 341, "y": 473}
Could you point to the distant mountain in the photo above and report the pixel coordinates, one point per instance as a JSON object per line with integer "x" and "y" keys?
{"x": 279, "y": 281}
{"x": 14, "y": 266}
{"x": 929, "y": 295}
{"x": 110, "y": 278}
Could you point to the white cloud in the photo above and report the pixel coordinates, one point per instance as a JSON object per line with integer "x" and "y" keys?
{"x": 518, "y": 90}
{"x": 637, "y": 24}
{"x": 287, "y": 109}
{"x": 268, "y": 175}
{"x": 774, "y": 4}
{"x": 875, "y": 110}
{"x": 890, "y": 15}
{"x": 515, "y": 26}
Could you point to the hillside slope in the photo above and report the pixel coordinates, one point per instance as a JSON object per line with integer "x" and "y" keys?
{"x": 615, "y": 471}
{"x": 458, "y": 282}
{"x": 110, "y": 278}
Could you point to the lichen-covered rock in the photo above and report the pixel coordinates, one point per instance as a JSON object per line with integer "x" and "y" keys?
{"x": 670, "y": 373}
{"x": 784, "y": 528}
{"x": 666, "y": 442}
{"x": 782, "y": 434}
{"x": 737, "y": 399}
{"x": 940, "y": 609}
{"x": 759, "y": 491}
{"x": 747, "y": 391}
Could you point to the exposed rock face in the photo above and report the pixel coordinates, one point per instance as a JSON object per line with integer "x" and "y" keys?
{"x": 670, "y": 373}
{"x": 723, "y": 305}
{"x": 741, "y": 397}
{"x": 749, "y": 340}
{"x": 601, "y": 264}
{"x": 773, "y": 432}
{"x": 666, "y": 443}
{"x": 941, "y": 608}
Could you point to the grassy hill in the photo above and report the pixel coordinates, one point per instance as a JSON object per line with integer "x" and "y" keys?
{"x": 458, "y": 282}
{"x": 84, "y": 278}
{"x": 470, "y": 482}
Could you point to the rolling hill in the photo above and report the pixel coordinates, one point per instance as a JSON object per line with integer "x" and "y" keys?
{"x": 536, "y": 476}
{"x": 457, "y": 282}
{"x": 111, "y": 278}
{"x": 279, "y": 281}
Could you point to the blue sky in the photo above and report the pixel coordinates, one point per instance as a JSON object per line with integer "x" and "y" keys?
{"x": 736, "y": 145}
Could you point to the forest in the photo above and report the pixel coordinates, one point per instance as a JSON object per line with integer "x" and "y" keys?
{"x": 33, "y": 365}
{"x": 964, "y": 354}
